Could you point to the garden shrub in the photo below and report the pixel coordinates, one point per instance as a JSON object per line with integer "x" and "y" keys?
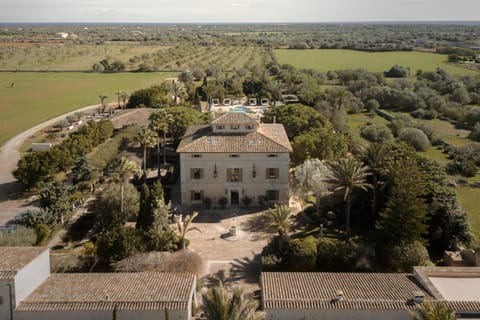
{"x": 20, "y": 237}
{"x": 42, "y": 231}
{"x": 223, "y": 201}
{"x": 271, "y": 262}
{"x": 336, "y": 255}
{"x": 416, "y": 138}
{"x": 302, "y": 254}
{"x": 404, "y": 256}
{"x": 207, "y": 201}
{"x": 247, "y": 201}
{"x": 377, "y": 133}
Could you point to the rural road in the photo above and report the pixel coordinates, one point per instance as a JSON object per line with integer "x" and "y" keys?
{"x": 10, "y": 203}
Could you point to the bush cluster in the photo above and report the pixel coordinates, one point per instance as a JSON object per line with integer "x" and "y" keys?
{"x": 37, "y": 167}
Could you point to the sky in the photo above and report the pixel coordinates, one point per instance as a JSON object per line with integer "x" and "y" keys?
{"x": 235, "y": 11}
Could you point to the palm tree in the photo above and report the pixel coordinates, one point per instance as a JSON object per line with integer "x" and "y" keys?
{"x": 119, "y": 95}
{"x": 375, "y": 157}
{"x": 125, "y": 169}
{"x": 348, "y": 174}
{"x": 184, "y": 227}
{"x": 124, "y": 97}
{"x": 428, "y": 311}
{"x": 219, "y": 304}
{"x": 160, "y": 122}
{"x": 102, "y": 100}
{"x": 146, "y": 138}
{"x": 280, "y": 220}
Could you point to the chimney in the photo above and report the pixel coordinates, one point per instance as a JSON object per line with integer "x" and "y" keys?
{"x": 418, "y": 296}
{"x": 339, "y": 295}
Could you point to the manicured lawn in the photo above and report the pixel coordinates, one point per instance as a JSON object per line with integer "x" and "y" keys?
{"x": 37, "y": 97}
{"x": 325, "y": 60}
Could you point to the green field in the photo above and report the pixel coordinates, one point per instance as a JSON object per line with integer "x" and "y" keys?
{"x": 36, "y": 97}
{"x": 468, "y": 198}
{"x": 325, "y": 60}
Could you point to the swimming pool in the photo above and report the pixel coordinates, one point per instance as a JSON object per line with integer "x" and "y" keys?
{"x": 239, "y": 109}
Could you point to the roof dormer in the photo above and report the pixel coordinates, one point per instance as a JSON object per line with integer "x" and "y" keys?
{"x": 235, "y": 122}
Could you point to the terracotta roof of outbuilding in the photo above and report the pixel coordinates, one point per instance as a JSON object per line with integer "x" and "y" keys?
{"x": 235, "y": 118}
{"x": 13, "y": 259}
{"x": 102, "y": 291}
{"x": 267, "y": 138}
{"x": 291, "y": 290}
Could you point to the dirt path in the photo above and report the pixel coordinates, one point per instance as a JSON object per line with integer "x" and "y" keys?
{"x": 10, "y": 203}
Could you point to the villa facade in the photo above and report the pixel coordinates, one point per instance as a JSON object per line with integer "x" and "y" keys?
{"x": 236, "y": 158}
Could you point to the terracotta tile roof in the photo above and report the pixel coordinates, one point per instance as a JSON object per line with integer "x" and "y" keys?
{"x": 361, "y": 290}
{"x": 267, "y": 138}
{"x": 15, "y": 258}
{"x": 102, "y": 291}
{"x": 235, "y": 118}
{"x": 459, "y": 306}
{"x": 7, "y": 275}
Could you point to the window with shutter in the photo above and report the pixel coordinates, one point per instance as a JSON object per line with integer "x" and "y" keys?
{"x": 234, "y": 175}
{"x": 196, "y": 173}
{"x": 272, "y": 173}
{"x": 196, "y": 195}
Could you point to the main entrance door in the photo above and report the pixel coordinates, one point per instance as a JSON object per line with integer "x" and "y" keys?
{"x": 234, "y": 197}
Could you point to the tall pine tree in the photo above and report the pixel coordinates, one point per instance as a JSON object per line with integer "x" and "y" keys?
{"x": 403, "y": 218}
{"x": 149, "y": 202}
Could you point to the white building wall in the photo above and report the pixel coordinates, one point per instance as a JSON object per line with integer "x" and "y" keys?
{"x": 218, "y": 187}
{"x": 5, "y": 299}
{"x": 31, "y": 276}
{"x": 335, "y": 314}
{"x": 102, "y": 315}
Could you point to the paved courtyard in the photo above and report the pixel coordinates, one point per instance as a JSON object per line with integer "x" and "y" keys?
{"x": 231, "y": 259}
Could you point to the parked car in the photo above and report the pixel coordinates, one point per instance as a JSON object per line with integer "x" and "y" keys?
{"x": 20, "y": 217}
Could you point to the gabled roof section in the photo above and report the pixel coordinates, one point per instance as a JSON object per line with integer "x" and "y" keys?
{"x": 235, "y": 118}
{"x": 312, "y": 290}
{"x": 267, "y": 138}
{"x": 14, "y": 259}
{"x": 102, "y": 291}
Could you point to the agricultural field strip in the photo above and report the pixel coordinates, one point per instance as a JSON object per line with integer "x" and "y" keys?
{"x": 78, "y": 57}
{"x": 338, "y": 59}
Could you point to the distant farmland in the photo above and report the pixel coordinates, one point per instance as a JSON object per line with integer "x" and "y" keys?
{"x": 325, "y": 60}
{"x": 36, "y": 97}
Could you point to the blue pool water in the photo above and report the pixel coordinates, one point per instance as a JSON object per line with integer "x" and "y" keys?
{"x": 239, "y": 109}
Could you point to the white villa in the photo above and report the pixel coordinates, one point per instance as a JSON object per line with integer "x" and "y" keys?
{"x": 235, "y": 157}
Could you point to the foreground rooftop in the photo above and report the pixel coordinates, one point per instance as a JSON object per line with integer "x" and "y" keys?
{"x": 102, "y": 291}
